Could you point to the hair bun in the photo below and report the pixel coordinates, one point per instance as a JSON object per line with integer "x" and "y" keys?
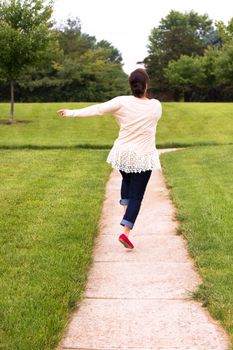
{"x": 138, "y": 82}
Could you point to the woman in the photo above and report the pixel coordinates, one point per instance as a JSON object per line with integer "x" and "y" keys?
{"x": 134, "y": 152}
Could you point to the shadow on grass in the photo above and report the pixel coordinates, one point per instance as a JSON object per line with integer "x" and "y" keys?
{"x": 14, "y": 122}
{"x": 105, "y": 147}
{"x": 51, "y": 147}
{"x": 191, "y": 144}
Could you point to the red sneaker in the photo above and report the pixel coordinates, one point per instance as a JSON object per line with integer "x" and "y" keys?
{"x": 125, "y": 241}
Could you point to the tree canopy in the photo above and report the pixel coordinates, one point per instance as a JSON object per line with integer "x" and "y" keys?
{"x": 206, "y": 77}
{"x": 175, "y": 49}
{"x": 189, "y": 57}
{"x": 25, "y": 37}
{"x": 45, "y": 61}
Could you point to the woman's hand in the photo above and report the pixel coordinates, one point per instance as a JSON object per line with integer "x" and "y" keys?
{"x": 62, "y": 112}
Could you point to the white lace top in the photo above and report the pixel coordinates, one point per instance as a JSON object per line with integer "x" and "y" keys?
{"x": 135, "y": 148}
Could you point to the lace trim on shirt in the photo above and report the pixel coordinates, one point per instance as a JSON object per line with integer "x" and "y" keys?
{"x": 133, "y": 162}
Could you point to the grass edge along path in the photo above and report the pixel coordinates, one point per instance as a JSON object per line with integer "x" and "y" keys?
{"x": 46, "y": 240}
{"x": 200, "y": 183}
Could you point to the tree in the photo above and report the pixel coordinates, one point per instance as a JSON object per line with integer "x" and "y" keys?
{"x": 72, "y": 40}
{"x": 114, "y": 56}
{"x": 25, "y": 37}
{"x": 225, "y": 32}
{"x": 224, "y": 71}
{"x": 205, "y": 78}
{"x": 87, "y": 71}
{"x": 185, "y": 74}
{"x": 177, "y": 34}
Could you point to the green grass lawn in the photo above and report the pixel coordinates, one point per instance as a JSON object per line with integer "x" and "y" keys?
{"x": 42, "y": 127}
{"x": 201, "y": 185}
{"x": 188, "y": 124}
{"x": 182, "y": 124}
{"x": 50, "y": 201}
{"x": 53, "y": 176}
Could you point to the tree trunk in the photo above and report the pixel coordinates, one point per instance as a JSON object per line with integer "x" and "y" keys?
{"x": 12, "y": 102}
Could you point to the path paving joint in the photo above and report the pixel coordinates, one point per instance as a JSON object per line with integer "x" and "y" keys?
{"x": 140, "y": 299}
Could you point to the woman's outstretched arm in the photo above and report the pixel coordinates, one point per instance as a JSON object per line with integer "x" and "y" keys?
{"x": 110, "y": 106}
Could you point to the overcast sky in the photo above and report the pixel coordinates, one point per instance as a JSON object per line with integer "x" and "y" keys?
{"x": 127, "y": 23}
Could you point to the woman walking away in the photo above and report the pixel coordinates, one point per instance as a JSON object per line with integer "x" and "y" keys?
{"x": 134, "y": 152}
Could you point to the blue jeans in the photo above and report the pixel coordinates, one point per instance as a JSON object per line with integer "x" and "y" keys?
{"x": 132, "y": 191}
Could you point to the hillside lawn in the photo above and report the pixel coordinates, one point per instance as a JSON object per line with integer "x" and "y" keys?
{"x": 53, "y": 175}
{"x": 182, "y": 124}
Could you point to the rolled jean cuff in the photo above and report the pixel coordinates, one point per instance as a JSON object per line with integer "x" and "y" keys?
{"x": 127, "y": 223}
{"x": 124, "y": 201}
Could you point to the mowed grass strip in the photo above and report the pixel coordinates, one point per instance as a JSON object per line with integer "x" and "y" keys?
{"x": 193, "y": 124}
{"x": 201, "y": 186}
{"x": 182, "y": 124}
{"x": 50, "y": 204}
{"x": 39, "y": 126}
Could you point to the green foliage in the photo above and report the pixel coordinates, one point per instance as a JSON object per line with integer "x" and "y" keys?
{"x": 177, "y": 34}
{"x": 55, "y": 64}
{"x": 25, "y": 37}
{"x": 72, "y": 40}
{"x": 224, "y": 65}
{"x": 185, "y": 73}
{"x": 209, "y": 62}
{"x": 211, "y": 73}
{"x": 225, "y": 32}
{"x": 191, "y": 58}
{"x": 188, "y": 58}
{"x": 180, "y": 33}
{"x": 87, "y": 71}
{"x": 114, "y": 55}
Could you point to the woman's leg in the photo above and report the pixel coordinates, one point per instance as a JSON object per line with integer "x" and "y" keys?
{"x": 125, "y": 184}
{"x": 137, "y": 187}
{"x": 125, "y": 189}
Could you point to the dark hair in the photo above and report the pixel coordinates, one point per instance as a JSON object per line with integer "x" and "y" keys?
{"x": 138, "y": 81}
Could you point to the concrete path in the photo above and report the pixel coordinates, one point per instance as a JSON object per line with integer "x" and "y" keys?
{"x": 140, "y": 299}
